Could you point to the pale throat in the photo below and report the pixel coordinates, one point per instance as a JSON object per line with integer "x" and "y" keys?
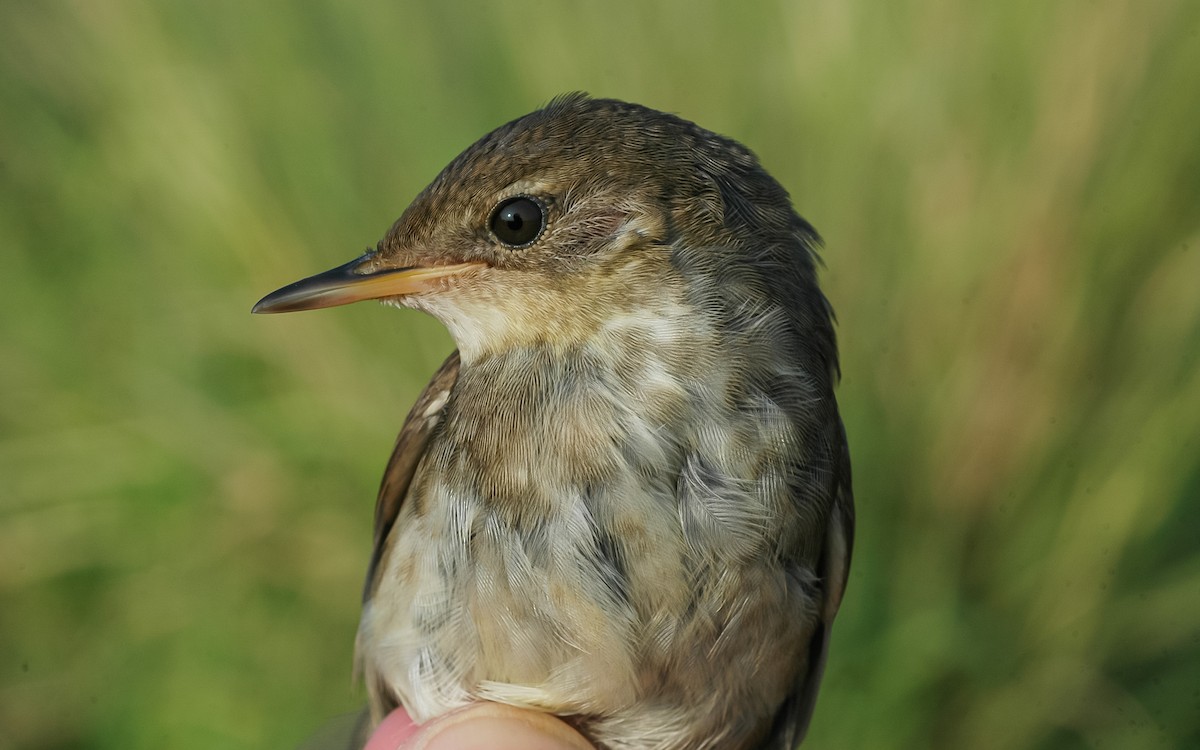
{"x": 607, "y": 317}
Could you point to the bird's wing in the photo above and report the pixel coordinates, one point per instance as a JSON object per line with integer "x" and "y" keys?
{"x": 424, "y": 417}
{"x": 791, "y": 723}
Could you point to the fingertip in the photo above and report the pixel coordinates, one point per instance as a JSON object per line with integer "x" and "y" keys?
{"x": 393, "y": 732}
{"x": 494, "y": 726}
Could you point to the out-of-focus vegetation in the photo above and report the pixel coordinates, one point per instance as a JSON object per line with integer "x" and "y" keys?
{"x": 1010, "y": 193}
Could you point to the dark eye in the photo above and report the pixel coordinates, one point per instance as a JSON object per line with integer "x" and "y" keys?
{"x": 518, "y": 221}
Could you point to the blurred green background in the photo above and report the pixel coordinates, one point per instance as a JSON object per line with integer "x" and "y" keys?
{"x": 1010, "y": 194}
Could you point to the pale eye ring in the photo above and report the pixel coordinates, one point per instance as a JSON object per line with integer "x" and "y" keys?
{"x": 518, "y": 221}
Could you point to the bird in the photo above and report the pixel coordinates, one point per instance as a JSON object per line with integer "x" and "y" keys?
{"x": 625, "y": 498}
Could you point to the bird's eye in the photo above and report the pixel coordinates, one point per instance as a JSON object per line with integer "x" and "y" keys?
{"x": 517, "y": 222}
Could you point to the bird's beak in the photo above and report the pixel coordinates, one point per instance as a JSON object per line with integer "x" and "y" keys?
{"x": 345, "y": 284}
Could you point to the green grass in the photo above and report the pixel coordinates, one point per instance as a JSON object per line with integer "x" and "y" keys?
{"x": 1010, "y": 195}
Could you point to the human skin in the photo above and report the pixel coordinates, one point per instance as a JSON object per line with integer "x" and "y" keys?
{"x": 485, "y": 726}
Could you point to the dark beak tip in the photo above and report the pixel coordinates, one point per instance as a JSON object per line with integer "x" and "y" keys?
{"x": 262, "y": 307}
{"x": 279, "y": 302}
{"x": 265, "y": 306}
{"x": 299, "y": 295}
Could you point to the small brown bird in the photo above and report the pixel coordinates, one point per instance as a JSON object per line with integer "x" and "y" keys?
{"x": 626, "y": 498}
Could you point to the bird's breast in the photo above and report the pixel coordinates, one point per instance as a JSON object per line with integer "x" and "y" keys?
{"x": 582, "y": 533}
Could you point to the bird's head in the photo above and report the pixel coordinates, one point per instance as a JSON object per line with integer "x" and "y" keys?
{"x": 550, "y": 225}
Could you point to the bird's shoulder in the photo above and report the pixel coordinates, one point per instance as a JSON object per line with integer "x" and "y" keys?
{"x": 424, "y": 417}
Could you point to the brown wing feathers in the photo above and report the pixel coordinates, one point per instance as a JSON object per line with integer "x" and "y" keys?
{"x": 424, "y": 417}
